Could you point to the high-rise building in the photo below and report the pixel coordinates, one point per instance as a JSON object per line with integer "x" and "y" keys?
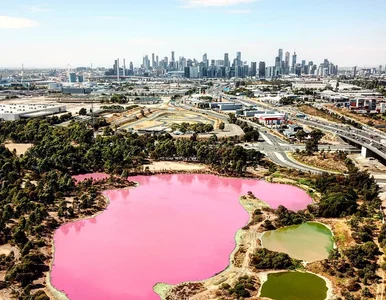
{"x": 262, "y": 69}
{"x": 124, "y": 67}
{"x": 303, "y": 63}
{"x": 172, "y": 58}
{"x": 156, "y": 61}
{"x": 226, "y": 60}
{"x": 253, "y": 70}
{"x": 116, "y": 68}
{"x": 277, "y": 63}
{"x": 294, "y": 56}
{"x": 287, "y": 62}
{"x": 238, "y": 71}
{"x": 146, "y": 63}
{"x": 280, "y": 54}
{"x": 205, "y": 60}
{"x": 238, "y": 59}
{"x": 153, "y": 60}
{"x": 270, "y": 72}
{"x": 71, "y": 77}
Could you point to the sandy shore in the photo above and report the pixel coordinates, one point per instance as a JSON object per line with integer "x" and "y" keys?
{"x": 174, "y": 166}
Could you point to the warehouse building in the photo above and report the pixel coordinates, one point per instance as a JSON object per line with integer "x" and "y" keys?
{"x": 14, "y": 112}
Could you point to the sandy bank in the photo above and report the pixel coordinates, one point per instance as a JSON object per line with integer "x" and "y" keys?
{"x": 174, "y": 166}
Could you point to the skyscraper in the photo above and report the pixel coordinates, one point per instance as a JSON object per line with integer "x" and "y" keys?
{"x": 252, "y": 72}
{"x": 262, "y": 69}
{"x": 277, "y": 62}
{"x": 238, "y": 59}
{"x": 116, "y": 68}
{"x": 153, "y": 60}
{"x": 280, "y": 54}
{"x": 146, "y": 63}
{"x": 71, "y": 77}
{"x": 226, "y": 60}
{"x": 124, "y": 67}
{"x": 287, "y": 62}
{"x": 294, "y": 56}
{"x": 205, "y": 60}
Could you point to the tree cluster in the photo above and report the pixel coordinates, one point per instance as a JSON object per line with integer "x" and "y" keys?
{"x": 264, "y": 259}
{"x": 192, "y": 127}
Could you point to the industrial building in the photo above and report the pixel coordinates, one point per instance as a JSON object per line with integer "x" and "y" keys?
{"x": 271, "y": 118}
{"x": 366, "y": 104}
{"x": 226, "y": 106}
{"x": 14, "y": 112}
{"x": 75, "y": 90}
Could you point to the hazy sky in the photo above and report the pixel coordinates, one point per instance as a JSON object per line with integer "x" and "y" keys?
{"x": 80, "y": 32}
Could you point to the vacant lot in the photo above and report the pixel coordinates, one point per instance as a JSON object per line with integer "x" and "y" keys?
{"x": 317, "y": 113}
{"x": 324, "y": 161}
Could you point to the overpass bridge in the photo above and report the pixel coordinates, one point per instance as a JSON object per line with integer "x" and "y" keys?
{"x": 369, "y": 143}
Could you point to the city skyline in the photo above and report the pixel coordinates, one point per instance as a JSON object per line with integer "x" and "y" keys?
{"x": 223, "y": 68}
{"x": 57, "y": 34}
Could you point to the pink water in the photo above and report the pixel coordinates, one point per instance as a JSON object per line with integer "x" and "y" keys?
{"x": 171, "y": 229}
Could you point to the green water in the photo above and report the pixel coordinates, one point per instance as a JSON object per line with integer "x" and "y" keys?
{"x": 309, "y": 241}
{"x": 294, "y": 286}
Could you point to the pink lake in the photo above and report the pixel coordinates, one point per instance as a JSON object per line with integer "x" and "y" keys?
{"x": 171, "y": 229}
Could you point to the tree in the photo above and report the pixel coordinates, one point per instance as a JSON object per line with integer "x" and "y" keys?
{"x": 232, "y": 118}
{"x": 301, "y": 135}
{"x": 313, "y": 142}
{"x": 221, "y": 126}
{"x": 338, "y": 204}
{"x": 83, "y": 112}
{"x": 208, "y": 127}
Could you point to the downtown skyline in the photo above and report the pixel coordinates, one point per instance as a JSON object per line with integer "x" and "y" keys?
{"x": 57, "y": 34}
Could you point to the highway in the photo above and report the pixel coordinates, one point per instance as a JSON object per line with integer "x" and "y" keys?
{"x": 273, "y": 147}
{"x": 366, "y": 137}
{"x": 360, "y": 137}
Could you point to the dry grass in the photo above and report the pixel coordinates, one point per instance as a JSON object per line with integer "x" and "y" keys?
{"x": 325, "y": 161}
{"x": 359, "y": 117}
{"x": 317, "y": 113}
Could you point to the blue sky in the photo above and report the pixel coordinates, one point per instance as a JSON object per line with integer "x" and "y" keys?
{"x": 58, "y": 33}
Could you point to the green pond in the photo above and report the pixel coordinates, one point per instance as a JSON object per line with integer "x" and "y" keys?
{"x": 294, "y": 286}
{"x": 308, "y": 241}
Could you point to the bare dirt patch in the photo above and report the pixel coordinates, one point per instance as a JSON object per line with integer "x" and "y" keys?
{"x": 325, "y": 161}
{"x": 20, "y": 148}
{"x": 317, "y": 113}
